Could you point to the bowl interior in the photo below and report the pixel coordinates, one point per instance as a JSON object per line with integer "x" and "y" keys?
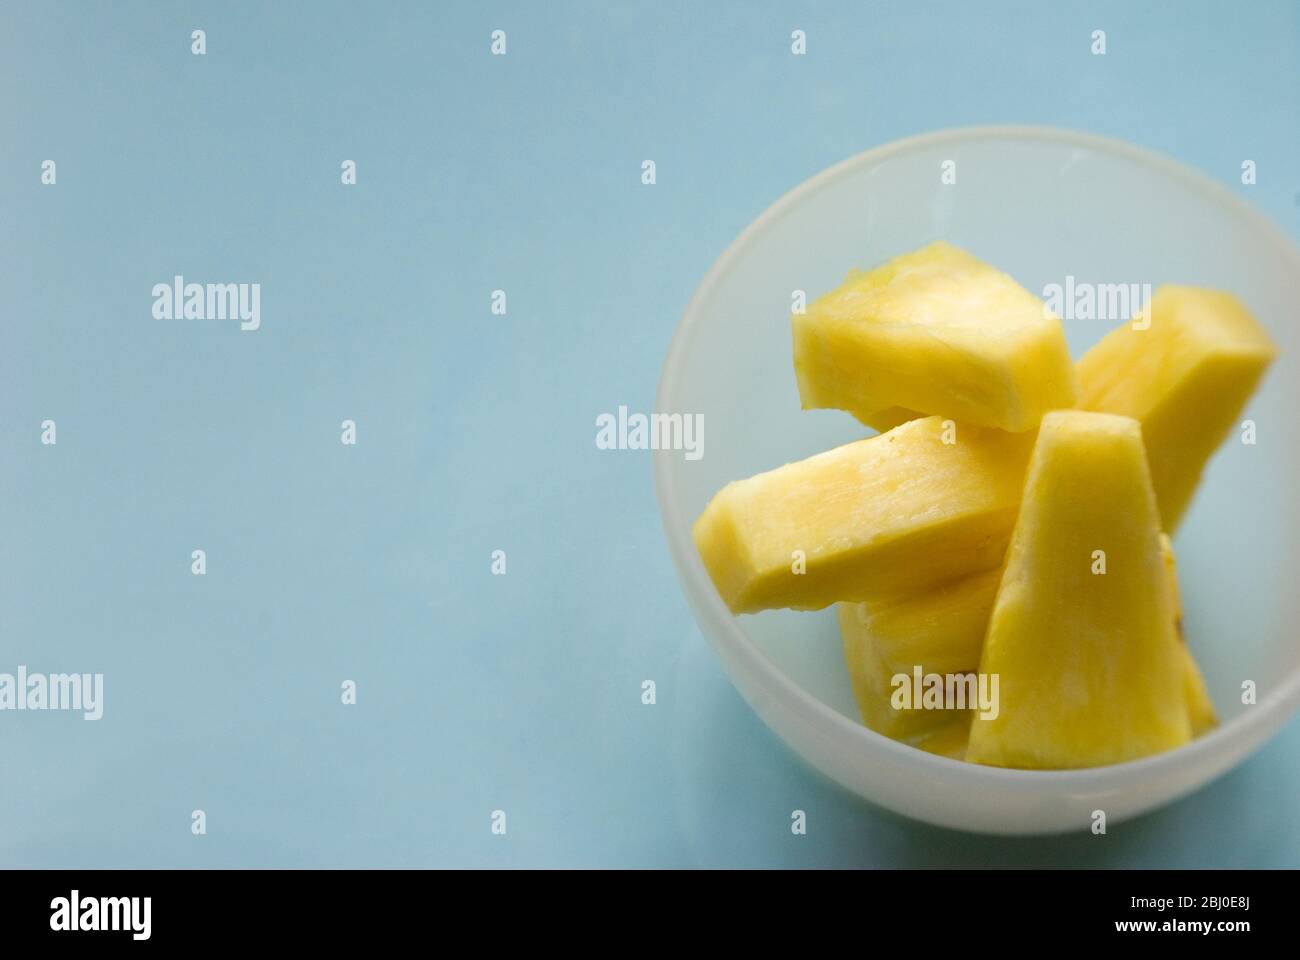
{"x": 1044, "y": 206}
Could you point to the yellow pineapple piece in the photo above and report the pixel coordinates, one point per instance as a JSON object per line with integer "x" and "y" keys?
{"x": 938, "y": 331}
{"x": 900, "y": 511}
{"x": 1186, "y": 377}
{"x": 893, "y": 638}
{"x": 872, "y": 680}
{"x": 1089, "y": 666}
{"x": 941, "y": 629}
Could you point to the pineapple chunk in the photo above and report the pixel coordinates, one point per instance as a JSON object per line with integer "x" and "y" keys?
{"x": 938, "y": 331}
{"x": 1187, "y": 377}
{"x": 941, "y": 631}
{"x": 1089, "y": 664}
{"x": 901, "y": 511}
{"x": 872, "y": 680}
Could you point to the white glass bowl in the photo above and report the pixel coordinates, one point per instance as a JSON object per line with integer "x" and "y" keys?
{"x": 1043, "y": 205}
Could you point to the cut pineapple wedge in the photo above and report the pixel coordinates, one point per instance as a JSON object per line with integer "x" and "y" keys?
{"x": 899, "y": 512}
{"x": 938, "y": 331}
{"x": 869, "y": 646}
{"x": 941, "y": 631}
{"x": 1089, "y": 664}
{"x": 1186, "y": 376}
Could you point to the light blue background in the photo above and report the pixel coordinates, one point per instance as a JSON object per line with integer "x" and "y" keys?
{"x": 371, "y": 562}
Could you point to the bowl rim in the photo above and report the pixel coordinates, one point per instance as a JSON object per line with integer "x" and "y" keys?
{"x": 722, "y": 629}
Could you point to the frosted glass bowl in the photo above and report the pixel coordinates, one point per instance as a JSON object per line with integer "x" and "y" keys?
{"x": 1041, "y": 204}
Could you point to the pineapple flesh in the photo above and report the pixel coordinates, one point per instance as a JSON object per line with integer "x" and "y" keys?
{"x": 941, "y": 631}
{"x": 1082, "y": 635}
{"x": 1185, "y": 368}
{"x": 937, "y": 331}
{"x": 915, "y": 507}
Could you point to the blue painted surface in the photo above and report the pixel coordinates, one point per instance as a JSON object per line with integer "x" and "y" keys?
{"x": 475, "y": 432}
